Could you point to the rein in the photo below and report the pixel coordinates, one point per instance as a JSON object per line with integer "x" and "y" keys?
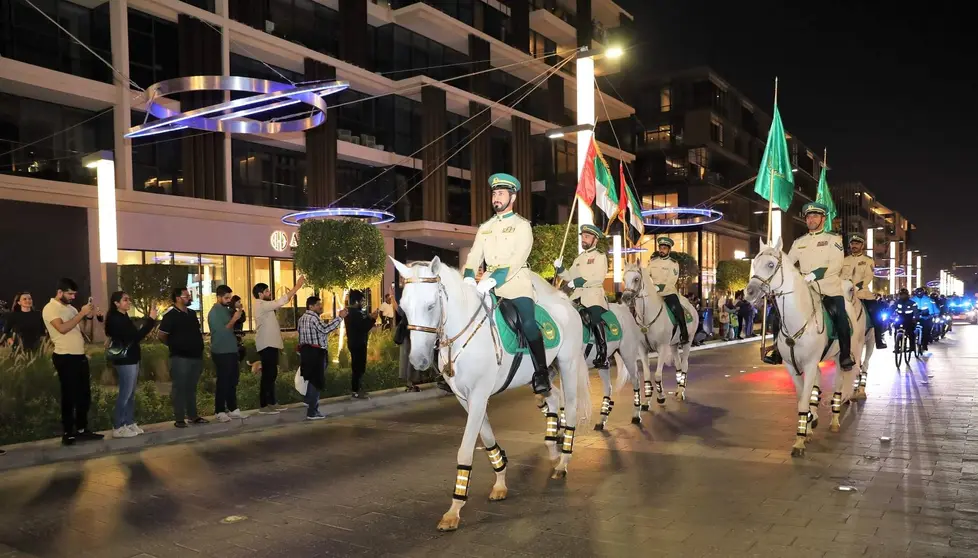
{"x": 631, "y": 306}
{"x": 442, "y": 340}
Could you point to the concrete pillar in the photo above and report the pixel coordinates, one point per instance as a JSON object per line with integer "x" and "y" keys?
{"x": 121, "y": 119}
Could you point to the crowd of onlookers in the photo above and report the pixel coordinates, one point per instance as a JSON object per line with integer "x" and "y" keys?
{"x": 23, "y": 328}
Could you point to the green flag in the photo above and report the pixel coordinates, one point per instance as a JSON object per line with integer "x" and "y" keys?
{"x": 824, "y": 197}
{"x": 774, "y": 179}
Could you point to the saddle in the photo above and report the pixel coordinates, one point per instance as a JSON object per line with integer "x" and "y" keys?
{"x": 513, "y": 321}
{"x": 510, "y": 327}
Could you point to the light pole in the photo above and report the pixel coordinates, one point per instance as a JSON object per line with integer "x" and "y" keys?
{"x": 108, "y": 233}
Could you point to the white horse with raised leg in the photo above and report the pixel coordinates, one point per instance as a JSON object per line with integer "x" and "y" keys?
{"x": 656, "y": 333}
{"x": 803, "y": 339}
{"x": 446, "y": 314}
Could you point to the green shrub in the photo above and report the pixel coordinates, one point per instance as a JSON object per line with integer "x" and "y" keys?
{"x": 30, "y": 407}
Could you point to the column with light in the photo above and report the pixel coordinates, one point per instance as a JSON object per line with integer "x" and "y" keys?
{"x": 585, "y": 116}
{"x": 943, "y": 282}
{"x": 869, "y": 244}
{"x": 893, "y": 258}
{"x": 919, "y": 274}
{"x": 617, "y": 261}
{"x": 910, "y": 270}
{"x": 108, "y": 234}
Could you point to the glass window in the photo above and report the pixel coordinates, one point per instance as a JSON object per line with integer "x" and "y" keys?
{"x": 459, "y": 201}
{"x": 211, "y": 276}
{"x": 152, "y": 56}
{"x": 268, "y": 176}
{"x": 261, "y": 271}
{"x": 283, "y": 272}
{"x": 665, "y": 99}
{"x": 165, "y": 258}
{"x": 662, "y": 135}
{"x": 716, "y": 131}
{"x": 157, "y": 162}
{"x": 130, "y": 257}
{"x": 29, "y": 37}
{"x": 237, "y": 279}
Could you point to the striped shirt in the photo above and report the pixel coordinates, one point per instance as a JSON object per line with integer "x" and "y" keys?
{"x": 314, "y": 331}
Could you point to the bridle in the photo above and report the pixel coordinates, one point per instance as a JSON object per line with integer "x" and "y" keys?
{"x": 442, "y": 340}
{"x": 631, "y": 305}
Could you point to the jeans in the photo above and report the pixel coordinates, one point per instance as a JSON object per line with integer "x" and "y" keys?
{"x": 76, "y": 391}
{"x": 226, "y": 393}
{"x": 312, "y": 400}
{"x": 125, "y": 403}
{"x": 269, "y": 372}
{"x": 358, "y": 364}
{"x": 184, "y": 373}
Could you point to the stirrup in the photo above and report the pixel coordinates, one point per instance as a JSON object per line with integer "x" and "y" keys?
{"x": 541, "y": 383}
{"x": 774, "y": 357}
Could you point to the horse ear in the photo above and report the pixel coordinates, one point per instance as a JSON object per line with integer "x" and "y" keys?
{"x": 779, "y": 244}
{"x": 763, "y": 245}
{"x": 435, "y": 264}
{"x": 404, "y": 270}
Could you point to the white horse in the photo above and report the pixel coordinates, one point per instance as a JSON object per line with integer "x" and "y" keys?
{"x": 444, "y": 313}
{"x": 802, "y": 338}
{"x": 869, "y": 346}
{"x": 655, "y": 331}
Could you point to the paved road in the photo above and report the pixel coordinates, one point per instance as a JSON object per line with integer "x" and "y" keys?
{"x": 710, "y": 477}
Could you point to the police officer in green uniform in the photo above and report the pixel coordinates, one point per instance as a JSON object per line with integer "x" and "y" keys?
{"x": 587, "y": 276}
{"x": 503, "y": 243}
{"x": 664, "y": 271}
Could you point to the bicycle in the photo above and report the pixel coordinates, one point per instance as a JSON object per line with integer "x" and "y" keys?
{"x": 903, "y": 346}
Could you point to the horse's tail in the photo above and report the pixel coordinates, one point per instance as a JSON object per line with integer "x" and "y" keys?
{"x": 583, "y": 391}
{"x": 623, "y": 373}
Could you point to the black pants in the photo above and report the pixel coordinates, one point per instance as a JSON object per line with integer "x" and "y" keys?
{"x": 226, "y": 393}
{"x": 269, "y": 372}
{"x": 76, "y": 391}
{"x": 926, "y": 324}
{"x": 841, "y": 324}
{"x": 312, "y": 362}
{"x": 358, "y": 364}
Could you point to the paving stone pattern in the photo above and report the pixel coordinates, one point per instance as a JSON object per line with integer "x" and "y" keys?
{"x": 709, "y": 477}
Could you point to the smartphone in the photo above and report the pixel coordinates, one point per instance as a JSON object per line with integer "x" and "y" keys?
{"x": 90, "y": 300}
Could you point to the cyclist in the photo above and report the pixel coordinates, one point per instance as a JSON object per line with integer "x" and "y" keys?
{"x": 928, "y": 311}
{"x": 905, "y": 314}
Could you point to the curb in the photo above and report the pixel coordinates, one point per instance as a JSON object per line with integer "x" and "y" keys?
{"x": 42, "y": 452}
{"x": 719, "y": 345}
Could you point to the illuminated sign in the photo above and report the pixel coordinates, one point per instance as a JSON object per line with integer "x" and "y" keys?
{"x": 280, "y": 241}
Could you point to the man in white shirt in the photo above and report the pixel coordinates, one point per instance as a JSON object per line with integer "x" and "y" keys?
{"x": 268, "y": 341}
{"x": 387, "y": 312}
{"x": 62, "y": 321}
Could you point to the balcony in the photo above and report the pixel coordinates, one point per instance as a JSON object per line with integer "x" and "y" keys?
{"x": 555, "y": 24}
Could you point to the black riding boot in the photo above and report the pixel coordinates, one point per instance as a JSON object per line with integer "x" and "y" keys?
{"x": 878, "y": 332}
{"x": 872, "y": 314}
{"x": 676, "y": 307}
{"x": 774, "y": 324}
{"x": 541, "y": 375}
{"x": 601, "y": 342}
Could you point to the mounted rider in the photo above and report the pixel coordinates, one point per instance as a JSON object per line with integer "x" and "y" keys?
{"x": 664, "y": 272}
{"x": 858, "y": 268}
{"x": 587, "y": 276}
{"x": 503, "y": 243}
{"x": 819, "y": 257}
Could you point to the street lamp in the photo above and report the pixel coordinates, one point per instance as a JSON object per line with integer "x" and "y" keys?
{"x": 108, "y": 235}
{"x": 893, "y": 257}
{"x": 557, "y": 133}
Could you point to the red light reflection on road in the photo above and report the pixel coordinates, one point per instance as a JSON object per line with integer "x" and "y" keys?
{"x": 777, "y": 378}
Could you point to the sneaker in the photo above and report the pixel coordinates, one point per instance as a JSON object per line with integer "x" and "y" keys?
{"x": 281, "y": 408}
{"x": 180, "y": 424}
{"x": 68, "y": 440}
{"x": 236, "y": 414}
{"x": 199, "y": 420}
{"x": 124, "y": 432}
{"x": 86, "y": 436}
{"x": 359, "y": 395}
{"x": 317, "y": 416}
{"x": 267, "y": 411}
{"x": 3, "y": 452}
{"x": 135, "y": 427}
{"x": 222, "y": 417}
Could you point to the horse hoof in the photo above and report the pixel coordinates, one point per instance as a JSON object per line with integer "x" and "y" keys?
{"x": 835, "y": 428}
{"x": 645, "y": 406}
{"x": 558, "y": 474}
{"x": 797, "y": 452}
{"x": 661, "y": 400}
{"x": 448, "y": 522}
{"x": 636, "y": 420}
{"x": 814, "y": 424}
{"x": 599, "y": 426}
{"x": 498, "y": 494}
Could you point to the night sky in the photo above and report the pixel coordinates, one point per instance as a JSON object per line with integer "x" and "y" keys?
{"x": 890, "y": 91}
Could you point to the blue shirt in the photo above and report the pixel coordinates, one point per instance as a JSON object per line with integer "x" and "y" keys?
{"x": 925, "y": 305}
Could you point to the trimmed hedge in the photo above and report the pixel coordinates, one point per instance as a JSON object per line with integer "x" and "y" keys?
{"x": 30, "y": 407}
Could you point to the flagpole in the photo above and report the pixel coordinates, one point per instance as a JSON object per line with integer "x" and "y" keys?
{"x": 563, "y": 244}
{"x": 770, "y": 219}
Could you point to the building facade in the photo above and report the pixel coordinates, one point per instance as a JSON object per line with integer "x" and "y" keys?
{"x": 442, "y": 94}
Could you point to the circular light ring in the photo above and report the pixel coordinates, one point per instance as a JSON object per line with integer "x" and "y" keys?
{"x": 884, "y": 271}
{"x": 933, "y": 284}
{"x": 230, "y": 115}
{"x": 626, "y": 251}
{"x": 372, "y": 216}
{"x": 684, "y": 217}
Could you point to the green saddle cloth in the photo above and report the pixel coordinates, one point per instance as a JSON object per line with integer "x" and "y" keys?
{"x": 611, "y": 325}
{"x": 672, "y": 318}
{"x": 511, "y": 339}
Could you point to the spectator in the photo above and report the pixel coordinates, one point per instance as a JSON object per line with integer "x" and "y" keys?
{"x": 358, "y": 326}
{"x": 224, "y": 352}
{"x": 387, "y": 312}
{"x": 402, "y": 337}
{"x": 268, "y": 341}
{"x": 239, "y": 327}
{"x": 62, "y": 321}
{"x": 24, "y": 326}
{"x": 180, "y": 331}
{"x": 314, "y": 353}
{"x": 120, "y": 328}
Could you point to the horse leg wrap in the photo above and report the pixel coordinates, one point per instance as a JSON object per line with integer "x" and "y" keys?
{"x": 816, "y": 398}
{"x": 568, "y": 445}
{"x": 803, "y": 424}
{"x": 648, "y": 388}
{"x": 563, "y": 418}
{"x": 636, "y": 398}
{"x": 552, "y": 422}
{"x": 837, "y": 402}
{"x": 862, "y": 379}
{"x": 462, "y": 482}
{"x": 658, "y": 388}
{"x": 680, "y": 378}
{"x": 543, "y": 407}
{"x": 605, "y": 406}
{"x": 497, "y": 458}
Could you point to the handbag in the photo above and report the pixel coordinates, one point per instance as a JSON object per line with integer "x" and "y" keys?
{"x": 301, "y": 384}
{"x": 117, "y": 352}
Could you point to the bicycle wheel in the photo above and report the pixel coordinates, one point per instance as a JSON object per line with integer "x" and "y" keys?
{"x": 898, "y": 347}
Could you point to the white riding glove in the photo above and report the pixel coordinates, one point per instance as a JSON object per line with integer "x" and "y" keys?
{"x": 469, "y": 281}
{"x": 559, "y": 263}
{"x": 810, "y": 277}
{"x": 486, "y": 285}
